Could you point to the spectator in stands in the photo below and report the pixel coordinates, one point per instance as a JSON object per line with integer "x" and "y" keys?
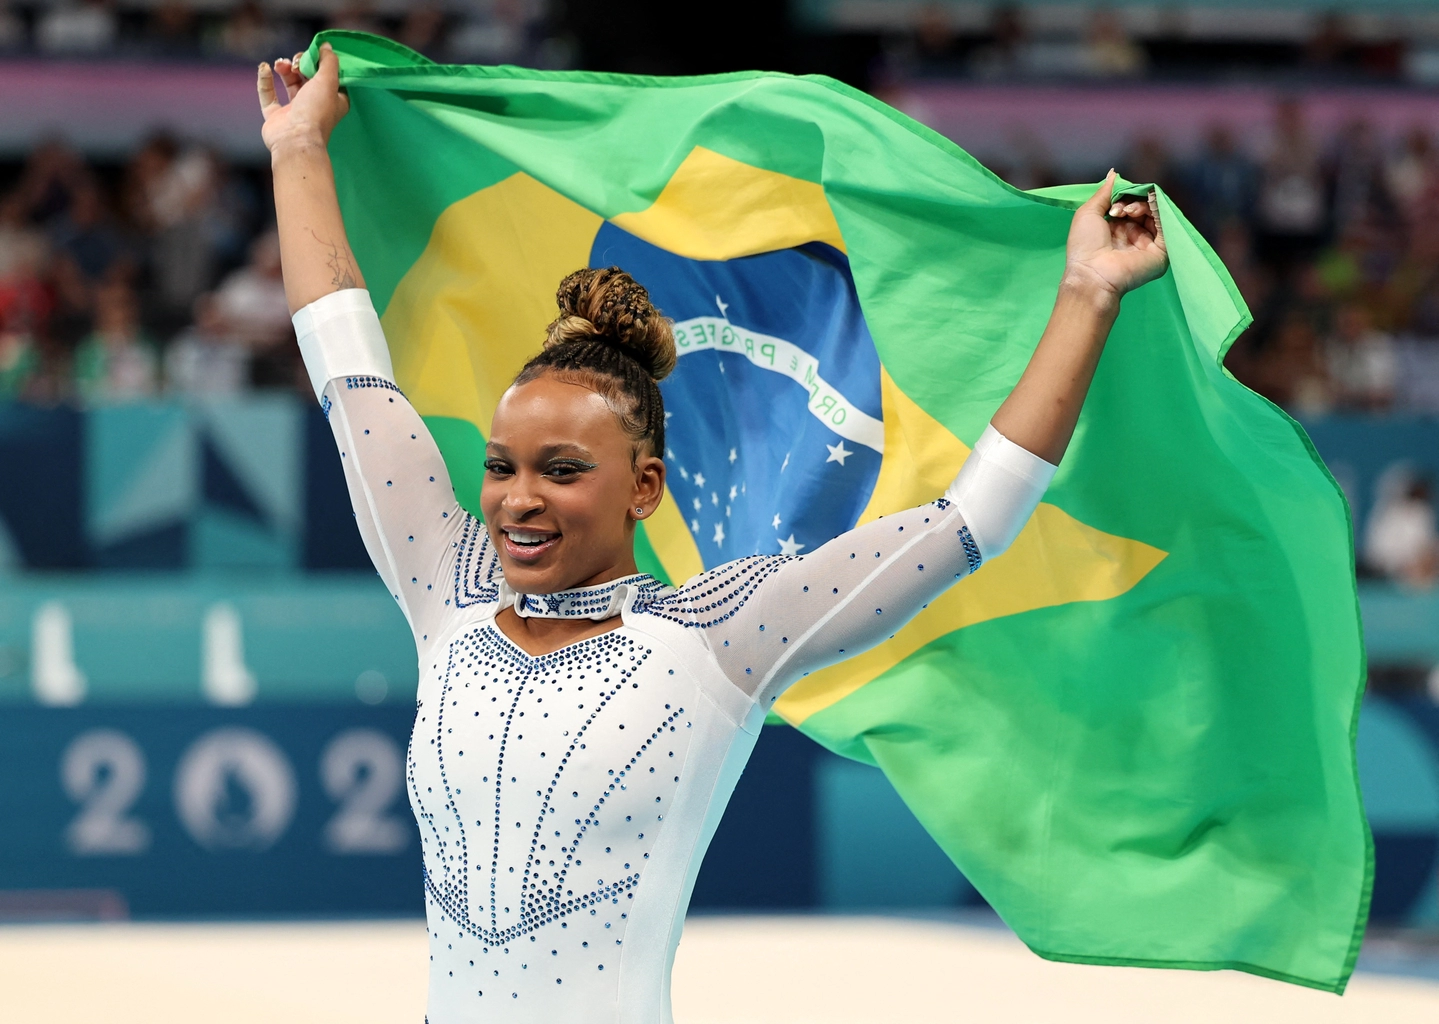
{"x": 1363, "y": 362}
{"x": 1413, "y": 171}
{"x": 1109, "y": 52}
{"x": 1400, "y": 538}
{"x": 1291, "y": 371}
{"x": 249, "y": 33}
{"x": 355, "y": 16}
{"x": 145, "y": 175}
{"x": 86, "y": 27}
{"x": 24, "y": 250}
{"x": 25, "y": 299}
{"x": 1223, "y": 183}
{"x": 89, "y": 252}
{"x": 206, "y": 359}
{"x": 19, "y": 365}
{"x": 252, "y": 299}
{"x": 251, "y": 302}
{"x": 1332, "y": 48}
{"x": 12, "y": 29}
{"x": 86, "y": 235}
{"x": 1148, "y": 160}
{"x": 1292, "y": 211}
{"x": 1004, "y": 56}
{"x": 52, "y": 174}
{"x": 1360, "y": 189}
{"x": 497, "y": 32}
{"x": 117, "y": 361}
{"x": 1234, "y": 244}
{"x": 190, "y": 229}
{"x": 173, "y": 29}
{"x": 1414, "y": 285}
{"x": 1035, "y": 166}
{"x": 423, "y": 29}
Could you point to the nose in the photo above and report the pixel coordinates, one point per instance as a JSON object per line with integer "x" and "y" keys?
{"x": 522, "y": 499}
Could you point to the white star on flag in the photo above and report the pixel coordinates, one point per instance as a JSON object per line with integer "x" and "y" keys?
{"x": 714, "y": 498}
{"x": 683, "y": 473}
{"x": 789, "y": 546}
{"x": 699, "y": 479}
{"x": 733, "y": 455}
{"x": 719, "y": 533}
{"x": 776, "y": 521}
{"x": 698, "y": 506}
{"x": 723, "y": 306}
{"x": 694, "y": 526}
{"x": 732, "y": 492}
{"x": 785, "y": 465}
{"x": 837, "y": 452}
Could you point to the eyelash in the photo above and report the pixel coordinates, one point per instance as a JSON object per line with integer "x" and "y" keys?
{"x": 567, "y": 469}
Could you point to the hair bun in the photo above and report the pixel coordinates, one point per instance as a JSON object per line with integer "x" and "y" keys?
{"x": 609, "y": 306}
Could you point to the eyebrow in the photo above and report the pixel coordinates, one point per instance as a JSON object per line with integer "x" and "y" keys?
{"x": 549, "y": 451}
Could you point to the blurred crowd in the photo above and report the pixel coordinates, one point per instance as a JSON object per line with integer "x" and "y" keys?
{"x": 486, "y": 31}
{"x": 1079, "y": 42}
{"x": 1334, "y": 245}
{"x": 161, "y": 275}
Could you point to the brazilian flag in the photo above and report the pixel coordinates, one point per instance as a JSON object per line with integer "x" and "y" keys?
{"x": 1134, "y": 731}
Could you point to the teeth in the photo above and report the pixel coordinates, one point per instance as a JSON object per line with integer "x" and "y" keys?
{"x": 528, "y": 538}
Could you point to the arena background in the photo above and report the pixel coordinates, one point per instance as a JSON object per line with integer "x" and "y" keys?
{"x": 205, "y": 693}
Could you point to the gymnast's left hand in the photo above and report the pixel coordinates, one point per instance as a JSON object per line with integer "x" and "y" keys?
{"x": 315, "y": 104}
{"x": 1114, "y": 247}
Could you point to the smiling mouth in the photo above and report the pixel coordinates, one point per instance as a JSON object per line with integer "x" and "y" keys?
{"x": 528, "y": 545}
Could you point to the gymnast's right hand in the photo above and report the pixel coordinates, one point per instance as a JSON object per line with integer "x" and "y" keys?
{"x": 315, "y": 104}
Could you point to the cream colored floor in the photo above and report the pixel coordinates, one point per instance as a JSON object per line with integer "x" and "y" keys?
{"x": 735, "y": 970}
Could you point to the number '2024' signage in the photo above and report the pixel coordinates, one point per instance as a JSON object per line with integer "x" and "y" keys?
{"x": 272, "y": 809}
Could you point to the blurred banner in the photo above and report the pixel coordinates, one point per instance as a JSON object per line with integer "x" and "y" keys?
{"x": 300, "y": 809}
{"x": 181, "y": 811}
{"x": 239, "y": 484}
{"x": 102, "y": 107}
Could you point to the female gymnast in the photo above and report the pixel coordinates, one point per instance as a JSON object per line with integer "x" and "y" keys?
{"x": 578, "y": 722}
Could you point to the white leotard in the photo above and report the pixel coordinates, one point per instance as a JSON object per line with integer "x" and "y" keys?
{"x": 565, "y": 801}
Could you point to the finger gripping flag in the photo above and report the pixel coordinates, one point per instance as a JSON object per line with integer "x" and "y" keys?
{"x": 1134, "y": 731}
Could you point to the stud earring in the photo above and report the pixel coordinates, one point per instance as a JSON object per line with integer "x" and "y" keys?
{"x": 639, "y": 511}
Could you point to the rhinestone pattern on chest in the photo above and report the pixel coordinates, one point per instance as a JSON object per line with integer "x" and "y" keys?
{"x": 504, "y": 855}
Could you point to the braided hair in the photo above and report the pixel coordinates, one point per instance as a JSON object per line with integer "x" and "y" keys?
{"x": 610, "y": 338}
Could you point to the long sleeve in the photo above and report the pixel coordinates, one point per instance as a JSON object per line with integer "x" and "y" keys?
{"x": 400, "y": 489}
{"x": 773, "y": 619}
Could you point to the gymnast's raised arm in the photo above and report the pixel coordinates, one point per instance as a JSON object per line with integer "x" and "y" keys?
{"x": 313, "y": 247}
{"x": 801, "y": 614}
{"x": 399, "y": 486}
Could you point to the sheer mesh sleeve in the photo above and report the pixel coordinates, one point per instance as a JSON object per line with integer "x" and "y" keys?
{"x": 771, "y": 619}
{"x": 399, "y": 486}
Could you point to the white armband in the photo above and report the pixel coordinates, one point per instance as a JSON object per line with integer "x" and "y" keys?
{"x": 997, "y": 490}
{"x": 340, "y": 336}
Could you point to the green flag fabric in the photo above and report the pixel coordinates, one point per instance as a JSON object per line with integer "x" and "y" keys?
{"x": 1134, "y": 731}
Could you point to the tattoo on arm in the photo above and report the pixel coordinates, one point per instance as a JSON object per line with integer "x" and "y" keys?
{"x": 341, "y": 263}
